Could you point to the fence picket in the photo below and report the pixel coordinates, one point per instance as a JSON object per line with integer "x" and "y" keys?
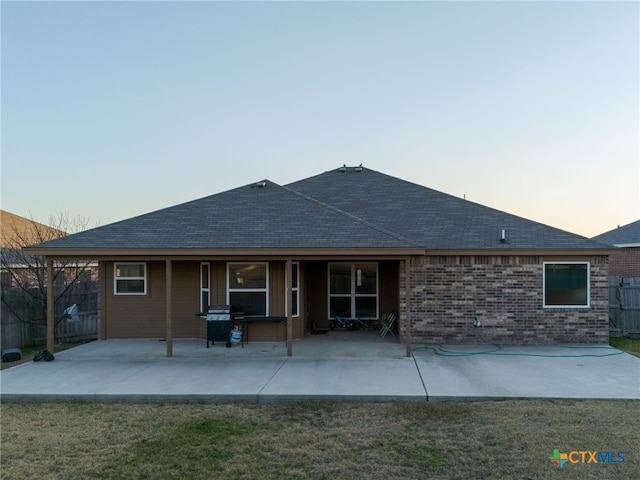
{"x": 624, "y": 306}
{"x": 16, "y": 334}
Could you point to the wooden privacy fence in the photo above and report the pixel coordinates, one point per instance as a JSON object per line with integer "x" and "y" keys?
{"x": 624, "y": 306}
{"x": 17, "y": 334}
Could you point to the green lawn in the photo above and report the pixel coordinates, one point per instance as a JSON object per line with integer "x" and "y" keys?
{"x": 319, "y": 440}
{"x": 629, "y": 345}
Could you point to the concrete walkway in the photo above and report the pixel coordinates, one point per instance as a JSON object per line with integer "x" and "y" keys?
{"x": 337, "y": 366}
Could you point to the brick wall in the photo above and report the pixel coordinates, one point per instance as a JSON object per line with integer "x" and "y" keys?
{"x": 505, "y": 293}
{"x": 625, "y": 263}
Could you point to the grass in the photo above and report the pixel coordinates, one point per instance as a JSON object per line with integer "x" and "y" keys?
{"x": 629, "y": 345}
{"x": 316, "y": 440}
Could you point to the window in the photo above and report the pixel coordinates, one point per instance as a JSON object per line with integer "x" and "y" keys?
{"x": 130, "y": 278}
{"x": 566, "y": 284}
{"x": 247, "y": 287}
{"x": 205, "y": 289}
{"x": 353, "y": 290}
{"x": 295, "y": 290}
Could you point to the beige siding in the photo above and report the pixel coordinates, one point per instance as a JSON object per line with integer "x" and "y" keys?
{"x": 136, "y": 316}
{"x": 186, "y": 299}
{"x": 143, "y": 316}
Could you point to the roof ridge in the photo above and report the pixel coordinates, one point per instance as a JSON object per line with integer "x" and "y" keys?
{"x": 352, "y": 216}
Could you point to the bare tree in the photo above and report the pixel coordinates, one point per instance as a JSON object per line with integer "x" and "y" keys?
{"x": 24, "y": 285}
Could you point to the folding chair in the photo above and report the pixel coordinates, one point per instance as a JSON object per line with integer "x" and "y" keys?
{"x": 388, "y": 319}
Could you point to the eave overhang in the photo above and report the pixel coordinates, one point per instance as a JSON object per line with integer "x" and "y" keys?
{"x": 222, "y": 253}
{"x": 299, "y": 253}
{"x": 524, "y": 251}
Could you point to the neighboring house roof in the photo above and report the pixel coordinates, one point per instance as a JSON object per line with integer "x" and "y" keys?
{"x": 625, "y": 236}
{"x": 17, "y": 231}
{"x": 349, "y": 208}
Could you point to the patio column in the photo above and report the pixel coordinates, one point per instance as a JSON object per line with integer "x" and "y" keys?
{"x": 288, "y": 282}
{"x": 168, "y": 307}
{"x": 50, "y": 306}
{"x": 407, "y": 315}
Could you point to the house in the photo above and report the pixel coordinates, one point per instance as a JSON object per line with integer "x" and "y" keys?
{"x": 350, "y": 241}
{"x": 15, "y": 233}
{"x": 625, "y": 261}
{"x": 24, "y": 271}
{"x": 23, "y": 286}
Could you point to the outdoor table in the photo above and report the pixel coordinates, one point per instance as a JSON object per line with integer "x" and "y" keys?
{"x": 247, "y": 320}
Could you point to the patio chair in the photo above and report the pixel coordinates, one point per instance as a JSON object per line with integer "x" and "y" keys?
{"x": 388, "y": 321}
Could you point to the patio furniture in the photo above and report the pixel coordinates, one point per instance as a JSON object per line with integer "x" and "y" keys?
{"x": 388, "y": 321}
{"x": 247, "y": 320}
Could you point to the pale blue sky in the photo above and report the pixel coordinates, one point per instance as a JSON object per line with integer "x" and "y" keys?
{"x": 113, "y": 109}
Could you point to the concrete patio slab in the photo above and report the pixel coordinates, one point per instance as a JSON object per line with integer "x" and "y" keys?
{"x": 139, "y": 382}
{"x": 352, "y": 368}
{"x": 363, "y": 379}
{"x": 486, "y": 372}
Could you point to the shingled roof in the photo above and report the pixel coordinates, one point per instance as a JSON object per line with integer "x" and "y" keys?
{"x": 258, "y": 215}
{"x": 430, "y": 218}
{"x": 350, "y": 207}
{"x": 627, "y": 235}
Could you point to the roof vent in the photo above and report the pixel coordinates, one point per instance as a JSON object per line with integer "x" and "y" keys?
{"x": 260, "y": 184}
{"x": 344, "y": 168}
{"x": 503, "y": 237}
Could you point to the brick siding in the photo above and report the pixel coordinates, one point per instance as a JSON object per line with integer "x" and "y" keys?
{"x": 505, "y": 293}
{"x": 625, "y": 263}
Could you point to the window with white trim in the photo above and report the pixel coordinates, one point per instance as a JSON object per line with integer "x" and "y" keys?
{"x": 205, "y": 288}
{"x": 247, "y": 287}
{"x": 130, "y": 278}
{"x": 295, "y": 290}
{"x": 353, "y": 290}
{"x": 566, "y": 284}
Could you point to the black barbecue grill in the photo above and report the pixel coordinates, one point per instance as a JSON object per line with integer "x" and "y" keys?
{"x": 218, "y": 324}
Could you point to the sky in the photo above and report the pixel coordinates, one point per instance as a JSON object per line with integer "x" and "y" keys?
{"x": 114, "y": 109}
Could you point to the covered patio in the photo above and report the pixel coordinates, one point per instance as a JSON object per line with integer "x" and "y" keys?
{"x": 302, "y": 293}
